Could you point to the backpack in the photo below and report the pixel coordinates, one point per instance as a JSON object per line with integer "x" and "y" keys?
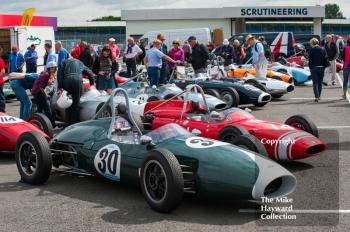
{"x": 267, "y": 49}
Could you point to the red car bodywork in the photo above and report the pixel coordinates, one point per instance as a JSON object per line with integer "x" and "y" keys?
{"x": 299, "y": 61}
{"x": 10, "y": 130}
{"x": 304, "y": 145}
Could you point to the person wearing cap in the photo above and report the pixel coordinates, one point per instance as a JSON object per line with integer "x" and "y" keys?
{"x": 114, "y": 48}
{"x": 42, "y": 87}
{"x": 226, "y": 52}
{"x": 164, "y": 72}
{"x": 69, "y": 78}
{"x": 154, "y": 60}
{"x": 199, "y": 56}
{"x": 346, "y": 68}
{"x": 131, "y": 52}
{"x": 31, "y": 58}
{"x": 258, "y": 56}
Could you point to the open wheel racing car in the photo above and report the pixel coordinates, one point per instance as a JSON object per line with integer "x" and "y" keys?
{"x": 166, "y": 162}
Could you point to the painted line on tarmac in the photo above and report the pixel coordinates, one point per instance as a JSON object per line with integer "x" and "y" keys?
{"x": 341, "y": 84}
{"x": 312, "y": 98}
{"x": 333, "y": 127}
{"x": 301, "y": 211}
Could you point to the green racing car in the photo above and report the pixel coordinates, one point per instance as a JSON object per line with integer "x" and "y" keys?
{"x": 167, "y": 162}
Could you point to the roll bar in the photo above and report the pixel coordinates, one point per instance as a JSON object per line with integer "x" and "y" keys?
{"x": 111, "y": 102}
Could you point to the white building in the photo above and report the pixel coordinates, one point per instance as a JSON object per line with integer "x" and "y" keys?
{"x": 231, "y": 20}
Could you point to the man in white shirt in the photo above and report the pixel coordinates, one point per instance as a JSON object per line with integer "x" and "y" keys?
{"x": 132, "y": 51}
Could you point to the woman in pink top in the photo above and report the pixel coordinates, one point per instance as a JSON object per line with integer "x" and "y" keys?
{"x": 176, "y": 53}
{"x": 346, "y": 68}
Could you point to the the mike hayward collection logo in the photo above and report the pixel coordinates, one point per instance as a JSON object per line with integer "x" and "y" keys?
{"x": 282, "y": 210}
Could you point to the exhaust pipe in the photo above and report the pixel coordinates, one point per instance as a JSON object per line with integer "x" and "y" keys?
{"x": 273, "y": 180}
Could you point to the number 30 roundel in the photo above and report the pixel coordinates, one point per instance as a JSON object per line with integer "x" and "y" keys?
{"x": 107, "y": 162}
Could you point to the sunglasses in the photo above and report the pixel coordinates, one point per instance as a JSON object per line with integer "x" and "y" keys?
{"x": 176, "y": 44}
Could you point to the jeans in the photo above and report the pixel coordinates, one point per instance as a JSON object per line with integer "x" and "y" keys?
{"x": 154, "y": 75}
{"x": 44, "y": 106}
{"x": 2, "y": 99}
{"x": 317, "y": 74}
{"x": 346, "y": 76}
{"x": 26, "y": 103}
{"x": 74, "y": 87}
{"x": 31, "y": 68}
{"x": 333, "y": 69}
{"x": 131, "y": 67}
{"x": 164, "y": 73}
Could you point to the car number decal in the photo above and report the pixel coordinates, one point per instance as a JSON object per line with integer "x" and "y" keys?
{"x": 199, "y": 142}
{"x": 107, "y": 162}
{"x": 9, "y": 119}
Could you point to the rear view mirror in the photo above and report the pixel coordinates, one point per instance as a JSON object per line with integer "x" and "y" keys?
{"x": 196, "y": 132}
{"x": 144, "y": 140}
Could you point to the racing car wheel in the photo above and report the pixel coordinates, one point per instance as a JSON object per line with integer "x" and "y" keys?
{"x": 304, "y": 123}
{"x": 162, "y": 180}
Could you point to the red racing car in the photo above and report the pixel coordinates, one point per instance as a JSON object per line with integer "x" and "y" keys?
{"x": 296, "y": 139}
{"x": 11, "y": 128}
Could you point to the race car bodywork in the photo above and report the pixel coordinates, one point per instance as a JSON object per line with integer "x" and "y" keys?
{"x": 300, "y": 75}
{"x": 243, "y": 70}
{"x": 240, "y": 95}
{"x": 12, "y": 127}
{"x": 296, "y": 143}
{"x": 144, "y": 93}
{"x": 166, "y": 162}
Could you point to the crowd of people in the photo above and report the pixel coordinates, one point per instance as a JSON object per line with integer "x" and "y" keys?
{"x": 68, "y": 69}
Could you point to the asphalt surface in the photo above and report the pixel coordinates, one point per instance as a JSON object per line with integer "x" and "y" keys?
{"x": 77, "y": 203}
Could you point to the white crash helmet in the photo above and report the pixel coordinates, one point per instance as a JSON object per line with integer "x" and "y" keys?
{"x": 64, "y": 101}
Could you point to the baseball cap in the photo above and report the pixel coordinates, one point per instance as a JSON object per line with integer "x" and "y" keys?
{"x": 191, "y": 38}
{"x": 111, "y": 40}
{"x": 226, "y": 42}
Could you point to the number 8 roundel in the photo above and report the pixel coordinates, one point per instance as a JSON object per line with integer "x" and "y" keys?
{"x": 107, "y": 162}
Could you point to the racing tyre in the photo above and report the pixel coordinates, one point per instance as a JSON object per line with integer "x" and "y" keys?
{"x": 304, "y": 123}
{"x": 42, "y": 122}
{"x": 251, "y": 143}
{"x": 230, "y": 132}
{"x": 212, "y": 92}
{"x": 257, "y": 84}
{"x": 162, "y": 181}
{"x": 106, "y": 113}
{"x": 230, "y": 96}
{"x": 153, "y": 98}
{"x": 33, "y": 158}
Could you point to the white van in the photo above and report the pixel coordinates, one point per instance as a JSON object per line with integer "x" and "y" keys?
{"x": 202, "y": 35}
{"x": 24, "y": 36}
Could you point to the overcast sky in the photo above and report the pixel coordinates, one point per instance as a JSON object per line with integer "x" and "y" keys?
{"x": 82, "y": 10}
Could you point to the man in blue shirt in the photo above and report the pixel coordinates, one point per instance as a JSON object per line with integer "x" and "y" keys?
{"x": 62, "y": 53}
{"x": 154, "y": 61}
{"x": 258, "y": 55}
{"x": 51, "y": 56}
{"x": 31, "y": 57}
{"x": 16, "y": 60}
